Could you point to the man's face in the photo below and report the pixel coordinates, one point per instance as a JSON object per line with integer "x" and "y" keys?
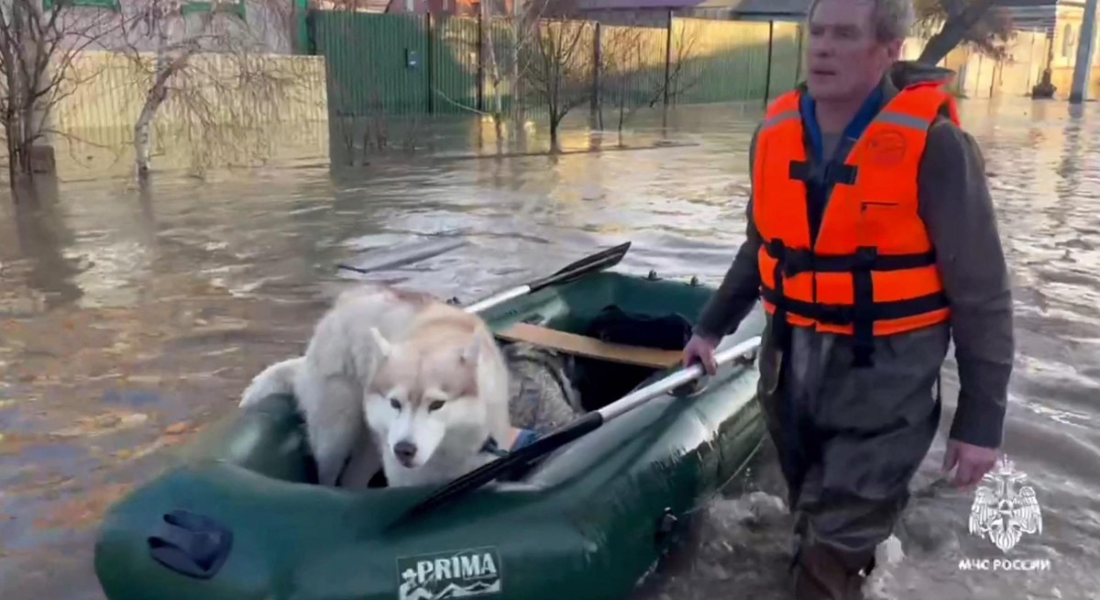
{"x": 845, "y": 59}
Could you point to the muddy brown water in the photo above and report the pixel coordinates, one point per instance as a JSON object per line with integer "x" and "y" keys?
{"x": 131, "y": 319}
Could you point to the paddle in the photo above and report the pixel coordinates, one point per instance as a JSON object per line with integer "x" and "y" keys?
{"x": 589, "y": 264}
{"x": 417, "y": 251}
{"x": 403, "y": 255}
{"x": 586, "y": 424}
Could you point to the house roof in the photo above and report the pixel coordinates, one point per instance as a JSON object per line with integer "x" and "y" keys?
{"x": 760, "y": 7}
{"x": 755, "y": 7}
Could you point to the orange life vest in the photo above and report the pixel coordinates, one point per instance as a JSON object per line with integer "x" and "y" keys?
{"x": 871, "y": 271}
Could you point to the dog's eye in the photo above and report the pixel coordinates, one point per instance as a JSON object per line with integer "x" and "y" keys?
{"x": 436, "y": 405}
{"x": 395, "y": 404}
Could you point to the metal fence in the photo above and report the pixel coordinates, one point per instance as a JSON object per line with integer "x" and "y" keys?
{"x": 422, "y": 64}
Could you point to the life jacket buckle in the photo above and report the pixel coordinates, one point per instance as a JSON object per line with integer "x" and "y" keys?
{"x": 791, "y": 261}
{"x": 865, "y": 257}
{"x": 797, "y": 262}
{"x": 777, "y": 249}
{"x": 834, "y": 315}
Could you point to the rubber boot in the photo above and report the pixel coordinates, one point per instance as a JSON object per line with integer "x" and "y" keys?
{"x": 819, "y": 574}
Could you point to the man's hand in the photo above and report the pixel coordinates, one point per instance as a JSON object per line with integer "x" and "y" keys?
{"x": 973, "y": 462}
{"x": 701, "y": 348}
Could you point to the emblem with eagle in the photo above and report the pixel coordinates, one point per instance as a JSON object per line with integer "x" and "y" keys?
{"x": 1005, "y": 512}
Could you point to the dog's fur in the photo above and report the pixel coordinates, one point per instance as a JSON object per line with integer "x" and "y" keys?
{"x": 440, "y": 395}
{"x": 377, "y": 331}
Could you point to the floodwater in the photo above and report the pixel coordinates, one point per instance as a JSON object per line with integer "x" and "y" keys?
{"x": 131, "y": 319}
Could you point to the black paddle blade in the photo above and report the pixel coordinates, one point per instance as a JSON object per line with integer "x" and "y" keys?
{"x": 398, "y": 256}
{"x": 595, "y": 262}
{"x": 514, "y": 460}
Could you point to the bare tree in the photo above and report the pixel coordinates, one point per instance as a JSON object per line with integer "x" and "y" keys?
{"x": 509, "y": 28}
{"x": 979, "y": 22}
{"x": 633, "y": 74}
{"x": 40, "y": 44}
{"x": 212, "y": 71}
{"x": 560, "y": 67}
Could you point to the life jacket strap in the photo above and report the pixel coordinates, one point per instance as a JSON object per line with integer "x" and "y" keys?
{"x": 804, "y": 261}
{"x": 863, "y": 313}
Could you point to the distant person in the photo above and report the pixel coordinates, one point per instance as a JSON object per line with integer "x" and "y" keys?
{"x": 872, "y": 241}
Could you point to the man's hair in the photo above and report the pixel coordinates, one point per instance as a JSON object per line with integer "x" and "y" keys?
{"x": 892, "y": 19}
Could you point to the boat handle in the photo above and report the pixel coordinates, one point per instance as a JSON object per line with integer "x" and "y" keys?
{"x": 743, "y": 354}
{"x": 190, "y": 544}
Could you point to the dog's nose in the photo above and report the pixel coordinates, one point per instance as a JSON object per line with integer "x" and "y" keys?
{"x": 404, "y": 450}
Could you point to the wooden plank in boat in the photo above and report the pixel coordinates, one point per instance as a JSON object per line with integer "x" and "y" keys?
{"x": 580, "y": 345}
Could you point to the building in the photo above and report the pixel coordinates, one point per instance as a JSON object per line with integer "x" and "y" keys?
{"x": 463, "y": 8}
{"x": 656, "y": 12}
{"x": 1061, "y": 22}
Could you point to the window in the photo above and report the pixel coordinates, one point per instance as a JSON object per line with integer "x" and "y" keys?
{"x": 1067, "y": 40}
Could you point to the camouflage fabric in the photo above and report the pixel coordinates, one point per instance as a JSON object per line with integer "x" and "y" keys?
{"x": 850, "y": 441}
{"x": 543, "y": 397}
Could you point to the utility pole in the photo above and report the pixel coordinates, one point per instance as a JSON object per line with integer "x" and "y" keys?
{"x": 1082, "y": 68}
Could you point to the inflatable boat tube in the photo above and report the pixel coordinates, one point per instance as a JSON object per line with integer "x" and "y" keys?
{"x": 240, "y": 517}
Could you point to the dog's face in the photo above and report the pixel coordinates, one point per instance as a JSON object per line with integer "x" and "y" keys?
{"x": 424, "y": 396}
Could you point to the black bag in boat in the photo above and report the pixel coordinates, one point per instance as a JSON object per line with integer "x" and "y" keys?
{"x": 606, "y": 381}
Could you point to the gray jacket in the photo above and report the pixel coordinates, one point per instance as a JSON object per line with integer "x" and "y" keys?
{"x": 957, "y": 210}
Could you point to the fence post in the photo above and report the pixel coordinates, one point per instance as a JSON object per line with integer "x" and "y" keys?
{"x": 430, "y": 32}
{"x": 480, "y": 61}
{"x": 768, "y": 73}
{"x": 305, "y": 46}
{"x": 668, "y": 55}
{"x": 798, "y": 65}
{"x": 597, "y": 63}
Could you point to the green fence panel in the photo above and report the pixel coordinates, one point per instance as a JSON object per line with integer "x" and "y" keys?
{"x": 416, "y": 64}
{"x": 454, "y": 66}
{"x": 785, "y": 58}
{"x": 376, "y": 64}
{"x": 632, "y": 68}
{"x": 720, "y": 61}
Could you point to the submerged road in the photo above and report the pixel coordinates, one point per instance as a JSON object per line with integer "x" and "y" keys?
{"x": 130, "y": 320}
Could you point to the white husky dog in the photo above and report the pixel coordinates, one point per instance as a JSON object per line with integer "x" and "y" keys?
{"x": 427, "y": 376}
{"x": 439, "y": 399}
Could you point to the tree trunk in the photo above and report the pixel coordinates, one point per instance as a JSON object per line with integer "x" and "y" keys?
{"x": 158, "y": 93}
{"x": 22, "y": 83}
{"x": 14, "y": 162}
{"x": 142, "y": 150}
{"x": 954, "y": 31}
{"x": 622, "y": 112}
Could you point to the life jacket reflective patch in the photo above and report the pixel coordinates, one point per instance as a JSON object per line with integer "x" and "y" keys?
{"x": 871, "y": 270}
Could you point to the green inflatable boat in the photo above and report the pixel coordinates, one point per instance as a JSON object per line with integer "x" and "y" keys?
{"x": 585, "y": 512}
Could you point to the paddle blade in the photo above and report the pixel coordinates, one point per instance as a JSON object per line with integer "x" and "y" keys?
{"x": 595, "y": 262}
{"x": 389, "y": 258}
{"x": 589, "y": 264}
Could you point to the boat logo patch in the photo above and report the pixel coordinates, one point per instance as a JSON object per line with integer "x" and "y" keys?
{"x": 466, "y": 573}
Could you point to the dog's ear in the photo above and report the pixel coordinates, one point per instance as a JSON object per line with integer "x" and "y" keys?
{"x": 380, "y": 340}
{"x": 471, "y": 352}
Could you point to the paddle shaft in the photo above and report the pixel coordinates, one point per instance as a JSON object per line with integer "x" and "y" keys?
{"x": 498, "y": 298}
{"x": 675, "y": 380}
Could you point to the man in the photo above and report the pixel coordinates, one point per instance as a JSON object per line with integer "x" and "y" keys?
{"x": 868, "y": 263}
